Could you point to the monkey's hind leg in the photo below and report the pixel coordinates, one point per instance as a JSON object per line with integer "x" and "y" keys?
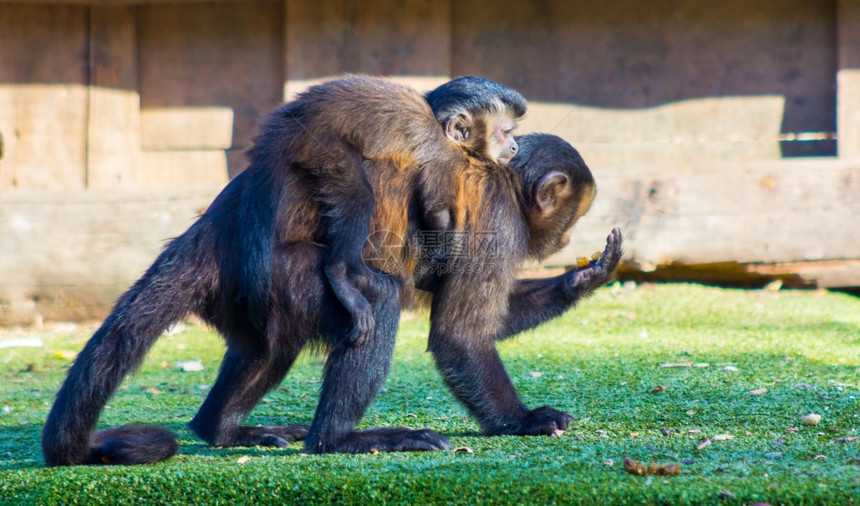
{"x": 353, "y": 376}
{"x": 349, "y": 202}
{"x": 245, "y": 377}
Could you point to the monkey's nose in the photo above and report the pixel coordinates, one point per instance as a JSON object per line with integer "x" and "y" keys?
{"x": 514, "y": 148}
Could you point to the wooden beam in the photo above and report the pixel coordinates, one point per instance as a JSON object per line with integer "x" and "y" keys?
{"x": 781, "y": 211}
{"x": 69, "y": 254}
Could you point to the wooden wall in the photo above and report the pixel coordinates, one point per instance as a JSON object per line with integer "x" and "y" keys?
{"x": 690, "y": 114}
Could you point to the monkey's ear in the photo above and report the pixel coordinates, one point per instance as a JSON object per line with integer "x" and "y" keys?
{"x": 548, "y": 191}
{"x": 458, "y": 129}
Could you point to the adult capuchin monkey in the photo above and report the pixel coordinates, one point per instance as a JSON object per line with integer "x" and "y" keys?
{"x": 189, "y": 277}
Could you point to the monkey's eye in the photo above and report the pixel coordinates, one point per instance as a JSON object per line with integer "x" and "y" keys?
{"x": 508, "y": 131}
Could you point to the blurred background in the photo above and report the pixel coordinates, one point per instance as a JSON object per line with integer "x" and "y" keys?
{"x": 724, "y": 136}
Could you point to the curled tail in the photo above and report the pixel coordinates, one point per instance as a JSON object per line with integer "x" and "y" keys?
{"x": 173, "y": 286}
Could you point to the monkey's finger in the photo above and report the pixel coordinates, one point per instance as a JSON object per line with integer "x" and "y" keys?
{"x": 612, "y": 252}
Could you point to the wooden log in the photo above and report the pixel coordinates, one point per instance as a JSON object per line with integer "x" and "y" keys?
{"x": 781, "y": 211}
{"x": 69, "y": 254}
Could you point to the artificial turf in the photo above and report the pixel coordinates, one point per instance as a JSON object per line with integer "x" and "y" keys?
{"x": 745, "y": 364}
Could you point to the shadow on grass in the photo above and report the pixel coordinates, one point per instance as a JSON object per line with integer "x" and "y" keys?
{"x": 30, "y": 436}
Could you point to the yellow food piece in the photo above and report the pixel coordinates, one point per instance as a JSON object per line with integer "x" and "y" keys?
{"x": 582, "y": 262}
{"x": 596, "y": 255}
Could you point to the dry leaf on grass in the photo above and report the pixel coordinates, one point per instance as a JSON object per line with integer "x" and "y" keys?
{"x": 640, "y": 469}
{"x": 810, "y": 419}
{"x": 243, "y": 460}
{"x": 758, "y": 391}
{"x": 703, "y": 443}
{"x": 723, "y": 437}
{"x": 658, "y": 389}
{"x": 464, "y": 449}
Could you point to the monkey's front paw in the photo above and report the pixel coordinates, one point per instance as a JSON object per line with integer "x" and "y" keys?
{"x": 544, "y": 421}
{"x": 598, "y": 272}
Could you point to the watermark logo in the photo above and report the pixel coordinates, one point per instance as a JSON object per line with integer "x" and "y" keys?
{"x": 437, "y": 252}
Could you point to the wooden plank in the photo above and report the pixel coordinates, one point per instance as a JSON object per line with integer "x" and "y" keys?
{"x": 69, "y": 254}
{"x": 326, "y": 38}
{"x": 184, "y": 169}
{"x": 726, "y": 128}
{"x": 630, "y": 54}
{"x": 113, "y": 128}
{"x": 44, "y": 127}
{"x": 45, "y": 44}
{"x": 43, "y": 96}
{"x": 113, "y": 139}
{"x": 743, "y": 212}
{"x": 848, "y": 79}
{"x": 195, "y": 128}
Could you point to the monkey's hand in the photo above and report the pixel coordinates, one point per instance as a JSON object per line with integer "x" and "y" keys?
{"x": 584, "y": 280}
{"x": 544, "y": 421}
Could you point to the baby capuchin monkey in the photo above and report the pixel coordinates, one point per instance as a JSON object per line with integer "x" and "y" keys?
{"x": 331, "y": 132}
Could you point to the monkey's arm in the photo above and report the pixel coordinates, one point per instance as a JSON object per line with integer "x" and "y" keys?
{"x": 465, "y": 318}
{"x": 535, "y": 301}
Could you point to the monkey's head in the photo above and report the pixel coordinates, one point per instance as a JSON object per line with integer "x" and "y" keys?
{"x": 479, "y": 115}
{"x": 557, "y": 190}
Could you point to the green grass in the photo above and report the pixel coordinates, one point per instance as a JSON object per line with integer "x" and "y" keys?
{"x": 598, "y": 362}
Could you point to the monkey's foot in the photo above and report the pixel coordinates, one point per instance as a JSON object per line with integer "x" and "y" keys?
{"x": 598, "y": 273}
{"x": 363, "y": 325}
{"x": 543, "y": 421}
{"x": 269, "y": 435}
{"x": 392, "y": 440}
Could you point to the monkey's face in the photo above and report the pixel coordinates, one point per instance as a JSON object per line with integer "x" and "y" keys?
{"x": 488, "y": 136}
{"x": 501, "y": 145}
